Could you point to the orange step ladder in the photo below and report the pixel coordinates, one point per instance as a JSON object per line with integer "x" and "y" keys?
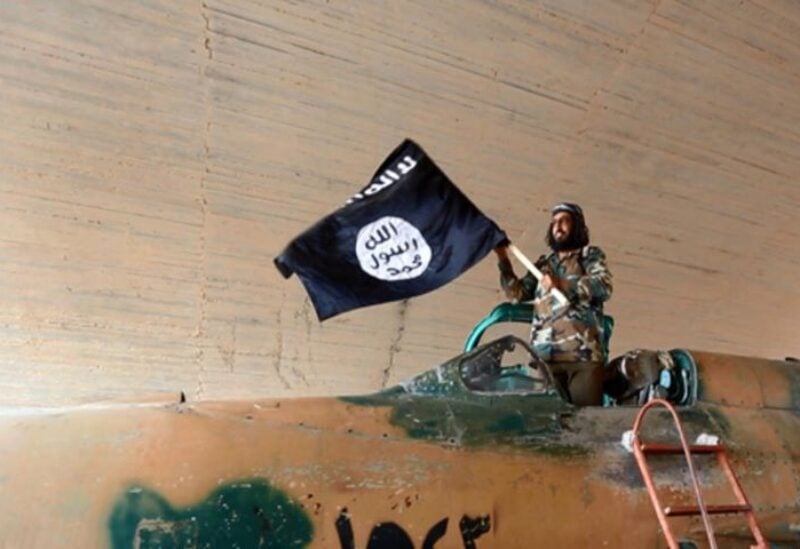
{"x": 642, "y": 449}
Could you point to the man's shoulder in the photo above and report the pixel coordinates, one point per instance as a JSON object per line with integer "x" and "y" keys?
{"x": 591, "y": 249}
{"x": 592, "y": 253}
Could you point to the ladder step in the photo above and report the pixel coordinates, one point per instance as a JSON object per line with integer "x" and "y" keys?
{"x": 673, "y": 449}
{"x": 689, "y": 510}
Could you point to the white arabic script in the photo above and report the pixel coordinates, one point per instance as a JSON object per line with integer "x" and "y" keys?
{"x": 391, "y": 248}
{"x": 388, "y": 177}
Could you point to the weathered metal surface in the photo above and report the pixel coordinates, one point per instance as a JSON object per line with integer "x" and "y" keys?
{"x": 409, "y": 467}
{"x": 156, "y": 155}
{"x": 750, "y": 382}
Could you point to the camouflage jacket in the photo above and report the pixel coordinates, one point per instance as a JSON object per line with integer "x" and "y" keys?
{"x": 572, "y": 333}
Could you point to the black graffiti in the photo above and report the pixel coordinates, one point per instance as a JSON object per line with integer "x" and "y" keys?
{"x": 472, "y": 529}
{"x": 345, "y": 530}
{"x": 388, "y": 535}
{"x": 436, "y": 533}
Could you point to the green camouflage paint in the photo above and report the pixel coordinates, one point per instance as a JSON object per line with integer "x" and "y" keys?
{"x": 710, "y": 418}
{"x": 792, "y": 373}
{"x": 243, "y": 514}
{"x": 527, "y": 421}
{"x": 436, "y": 406}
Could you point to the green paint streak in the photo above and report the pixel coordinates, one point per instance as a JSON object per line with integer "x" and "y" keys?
{"x": 244, "y": 514}
{"x": 438, "y": 406}
{"x": 717, "y": 421}
{"x": 522, "y": 421}
{"x": 701, "y": 389}
{"x": 792, "y": 373}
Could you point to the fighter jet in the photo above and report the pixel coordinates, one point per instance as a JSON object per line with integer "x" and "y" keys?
{"x": 482, "y": 451}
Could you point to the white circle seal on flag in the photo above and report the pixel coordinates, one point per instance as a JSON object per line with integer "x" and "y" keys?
{"x": 391, "y": 248}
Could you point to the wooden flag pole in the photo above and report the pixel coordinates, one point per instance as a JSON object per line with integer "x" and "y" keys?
{"x": 528, "y": 264}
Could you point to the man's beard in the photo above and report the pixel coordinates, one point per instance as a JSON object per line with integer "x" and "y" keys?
{"x": 572, "y": 242}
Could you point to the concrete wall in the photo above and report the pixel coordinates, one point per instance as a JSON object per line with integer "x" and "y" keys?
{"x": 155, "y": 156}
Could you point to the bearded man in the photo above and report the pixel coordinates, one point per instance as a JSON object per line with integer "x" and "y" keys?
{"x": 568, "y": 337}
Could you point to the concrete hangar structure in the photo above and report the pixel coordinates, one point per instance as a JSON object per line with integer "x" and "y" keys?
{"x": 156, "y": 156}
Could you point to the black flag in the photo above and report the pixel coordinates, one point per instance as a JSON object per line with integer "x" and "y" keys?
{"x": 406, "y": 233}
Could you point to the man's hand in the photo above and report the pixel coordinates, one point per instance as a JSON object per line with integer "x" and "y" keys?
{"x": 549, "y": 282}
{"x": 502, "y": 252}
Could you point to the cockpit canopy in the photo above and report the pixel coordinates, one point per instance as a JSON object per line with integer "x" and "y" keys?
{"x": 508, "y": 366}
